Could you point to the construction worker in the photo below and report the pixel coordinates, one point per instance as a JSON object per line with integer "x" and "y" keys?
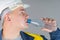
{"x": 14, "y": 20}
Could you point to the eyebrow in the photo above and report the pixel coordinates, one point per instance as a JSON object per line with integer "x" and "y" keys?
{"x": 22, "y": 9}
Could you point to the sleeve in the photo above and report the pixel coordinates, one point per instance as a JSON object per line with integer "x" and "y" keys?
{"x": 44, "y": 38}
{"x": 55, "y": 35}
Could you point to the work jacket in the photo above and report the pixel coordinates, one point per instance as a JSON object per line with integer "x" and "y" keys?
{"x": 29, "y": 36}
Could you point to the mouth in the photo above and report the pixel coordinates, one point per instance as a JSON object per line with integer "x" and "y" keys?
{"x": 26, "y": 21}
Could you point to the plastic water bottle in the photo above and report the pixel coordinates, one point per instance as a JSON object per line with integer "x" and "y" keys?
{"x": 36, "y": 22}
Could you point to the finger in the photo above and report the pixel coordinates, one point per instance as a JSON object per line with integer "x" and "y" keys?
{"x": 47, "y": 20}
{"x": 50, "y": 20}
{"x": 44, "y": 19}
{"x": 54, "y": 21}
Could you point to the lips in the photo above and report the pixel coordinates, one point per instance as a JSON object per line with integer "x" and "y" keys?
{"x": 25, "y": 20}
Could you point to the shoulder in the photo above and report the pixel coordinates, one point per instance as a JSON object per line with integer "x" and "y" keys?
{"x": 36, "y": 36}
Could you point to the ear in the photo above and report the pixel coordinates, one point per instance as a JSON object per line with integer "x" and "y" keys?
{"x": 0, "y": 17}
{"x": 7, "y": 17}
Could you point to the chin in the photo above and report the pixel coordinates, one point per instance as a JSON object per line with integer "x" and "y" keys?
{"x": 24, "y": 26}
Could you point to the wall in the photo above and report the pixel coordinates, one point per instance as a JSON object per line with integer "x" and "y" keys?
{"x": 43, "y": 8}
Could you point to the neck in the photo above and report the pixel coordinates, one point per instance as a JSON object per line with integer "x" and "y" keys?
{"x": 9, "y": 32}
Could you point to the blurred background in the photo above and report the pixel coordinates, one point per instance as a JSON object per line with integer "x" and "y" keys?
{"x": 43, "y": 8}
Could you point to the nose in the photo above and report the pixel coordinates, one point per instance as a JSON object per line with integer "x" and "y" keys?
{"x": 24, "y": 13}
{"x": 27, "y": 16}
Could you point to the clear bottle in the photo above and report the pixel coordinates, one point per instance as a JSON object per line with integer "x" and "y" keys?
{"x": 36, "y": 22}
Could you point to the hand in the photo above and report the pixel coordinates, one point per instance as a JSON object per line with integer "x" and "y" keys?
{"x": 49, "y": 24}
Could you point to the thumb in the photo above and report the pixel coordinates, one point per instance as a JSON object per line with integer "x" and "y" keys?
{"x": 46, "y": 30}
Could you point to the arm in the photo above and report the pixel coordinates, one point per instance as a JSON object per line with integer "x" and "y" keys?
{"x": 51, "y": 27}
{"x": 55, "y": 35}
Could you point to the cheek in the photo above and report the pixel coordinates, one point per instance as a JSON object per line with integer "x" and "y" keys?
{"x": 20, "y": 19}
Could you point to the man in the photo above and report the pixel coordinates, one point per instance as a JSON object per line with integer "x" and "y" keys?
{"x": 14, "y": 20}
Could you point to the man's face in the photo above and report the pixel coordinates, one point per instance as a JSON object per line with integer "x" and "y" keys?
{"x": 19, "y": 18}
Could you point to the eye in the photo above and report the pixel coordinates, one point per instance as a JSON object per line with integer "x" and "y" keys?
{"x": 22, "y": 13}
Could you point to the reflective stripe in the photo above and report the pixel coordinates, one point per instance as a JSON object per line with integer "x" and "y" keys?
{"x": 36, "y": 37}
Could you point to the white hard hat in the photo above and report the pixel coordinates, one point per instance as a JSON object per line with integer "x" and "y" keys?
{"x": 12, "y": 4}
